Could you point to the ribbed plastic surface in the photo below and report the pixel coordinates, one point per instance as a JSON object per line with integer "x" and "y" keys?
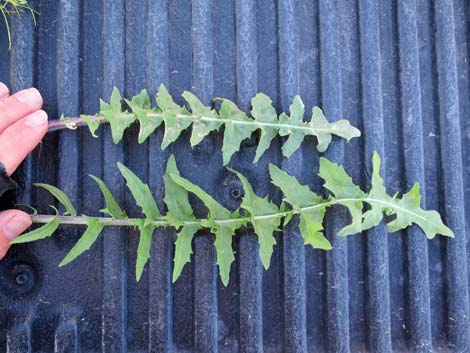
{"x": 399, "y": 70}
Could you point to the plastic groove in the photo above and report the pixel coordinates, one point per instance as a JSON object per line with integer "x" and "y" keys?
{"x": 160, "y": 300}
{"x": 205, "y": 283}
{"x": 377, "y": 238}
{"x": 19, "y": 337}
{"x": 417, "y": 249}
{"x": 456, "y": 256}
{"x": 114, "y": 311}
{"x": 22, "y": 75}
{"x": 337, "y": 300}
{"x": 250, "y": 268}
{"x": 295, "y": 313}
{"x": 66, "y": 337}
{"x": 68, "y": 92}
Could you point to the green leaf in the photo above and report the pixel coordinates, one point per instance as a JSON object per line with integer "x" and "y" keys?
{"x": 341, "y": 185}
{"x": 407, "y": 209}
{"x": 112, "y": 207}
{"x": 165, "y": 101}
{"x": 324, "y": 129}
{"x": 61, "y": 197}
{"x": 216, "y": 210}
{"x": 92, "y": 124}
{"x": 373, "y": 216}
{"x": 201, "y": 128}
{"x": 94, "y": 229}
{"x": 141, "y": 193}
{"x": 223, "y": 244}
{"x": 148, "y": 121}
{"x": 143, "y": 251}
{"x": 183, "y": 248}
{"x": 263, "y": 111}
{"x": 176, "y": 197}
{"x": 311, "y": 207}
{"x": 118, "y": 121}
{"x": 39, "y": 233}
{"x": 174, "y": 126}
{"x": 217, "y": 221}
{"x": 171, "y": 114}
{"x": 234, "y": 132}
{"x": 264, "y": 227}
{"x": 296, "y": 136}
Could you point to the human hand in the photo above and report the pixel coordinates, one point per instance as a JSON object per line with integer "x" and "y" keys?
{"x": 22, "y": 127}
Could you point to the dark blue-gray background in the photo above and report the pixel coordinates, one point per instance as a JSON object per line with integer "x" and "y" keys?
{"x": 398, "y": 70}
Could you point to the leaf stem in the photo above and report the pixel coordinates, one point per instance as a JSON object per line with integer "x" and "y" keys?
{"x": 132, "y": 222}
{"x": 73, "y": 123}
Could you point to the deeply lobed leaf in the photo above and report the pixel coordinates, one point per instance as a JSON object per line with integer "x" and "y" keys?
{"x": 309, "y": 205}
{"x": 204, "y": 120}
{"x": 94, "y": 229}
{"x": 264, "y": 215}
{"x": 264, "y": 227}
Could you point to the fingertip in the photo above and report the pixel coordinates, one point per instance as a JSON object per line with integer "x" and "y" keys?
{"x": 12, "y": 224}
{"x": 36, "y": 119}
{"x": 4, "y": 91}
{"x": 30, "y": 97}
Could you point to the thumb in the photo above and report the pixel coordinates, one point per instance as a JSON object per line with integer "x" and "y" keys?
{"x": 12, "y": 224}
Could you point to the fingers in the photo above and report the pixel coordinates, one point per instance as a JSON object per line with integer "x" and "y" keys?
{"x": 19, "y": 139}
{"x": 17, "y": 106}
{"x": 4, "y": 91}
{"x": 12, "y": 224}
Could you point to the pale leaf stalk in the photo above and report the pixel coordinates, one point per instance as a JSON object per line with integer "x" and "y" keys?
{"x": 75, "y": 122}
{"x": 132, "y": 222}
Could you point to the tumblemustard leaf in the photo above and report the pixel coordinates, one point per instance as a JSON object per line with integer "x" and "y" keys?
{"x": 112, "y": 207}
{"x": 407, "y": 210}
{"x": 224, "y": 233}
{"x": 141, "y": 193}
{"x": 61, "y": 197}
{"x": 174, "y": 125}
{"x": 309, "y": 205}
{"x": 94, "y": 229}
{"x": 324, "y": 129}
{"x": 234, "y": 132}
{"x": 165, "y": 101}
{"x": 217, "y": 222}
{"x": 39, "y": 233}
{"x": 216, "y": 210}
{"x": 264, "y": 227}
{"x": 92, "y": 124}
{"x": 118, "y": 121}
{"x": 346, "y": 193}
{"x": 143, "y": 250}
{"x": 183, "y": 248}
{"x": 176, "y": 197}
{"x": 149, "y": 122}
{"x": 201, "y": 127}
{"x": 263, "y": 111}
{"x": 295, "y": 119}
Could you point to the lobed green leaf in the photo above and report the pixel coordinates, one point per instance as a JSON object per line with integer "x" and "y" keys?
{"x": 264, "y": 227}
{"x": 183, "y": 248}
{"x": 112, "y": 207}
{"x": 141, "y": 193}
{"x": 39, "y": 233}
{"x": 94, "y": 229}
{"x": 143, "y": 250}
{"x": 309, "y": 205}
{"x": 61, "y": 197}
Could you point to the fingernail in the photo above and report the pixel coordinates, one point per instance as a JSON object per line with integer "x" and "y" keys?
{"x": 30, "y": 97}
{"x": 36, "y": 119}
{"x": 3, "y": 90}
{"x": 16, "y": 226}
